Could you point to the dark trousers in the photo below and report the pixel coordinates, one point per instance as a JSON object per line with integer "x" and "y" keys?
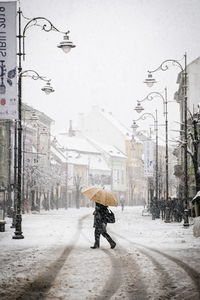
{"x": 99, "y": 231}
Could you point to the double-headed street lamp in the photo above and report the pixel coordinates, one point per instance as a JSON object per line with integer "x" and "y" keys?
{"x": 47, "y": 89}
{"x": 18, "y": 164}
{"x": 164, "y": 66}
{"x": 135, "y": 126}
{"x": 66, "y": 46}
{"x": 139, "y": 109}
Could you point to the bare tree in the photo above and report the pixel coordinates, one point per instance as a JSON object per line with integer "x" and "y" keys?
{"x": 193, "y": 149}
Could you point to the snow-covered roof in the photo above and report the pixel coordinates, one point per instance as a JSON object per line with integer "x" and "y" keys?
{"x": 92, "y": 160}
{"x": 109, "y": 116}
{"x": 109, "y": 149}
{"x": 29, "y": 108}
{"x": 76, "y": 143}
{"x": 58, "y": 154}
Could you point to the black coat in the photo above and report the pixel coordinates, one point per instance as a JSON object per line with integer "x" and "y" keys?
{"x": 100, "y": 215}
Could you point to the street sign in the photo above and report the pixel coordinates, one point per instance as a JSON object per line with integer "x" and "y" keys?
{"x": 8, "y": 61}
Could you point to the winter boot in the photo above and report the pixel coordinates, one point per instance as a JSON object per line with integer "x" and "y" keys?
{"x": 110, "y": 240}
{"x": 96, "y": 245}
{"x": 112, "y": 245}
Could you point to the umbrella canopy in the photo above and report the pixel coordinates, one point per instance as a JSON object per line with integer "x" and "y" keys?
{"x": 101, "y": 196}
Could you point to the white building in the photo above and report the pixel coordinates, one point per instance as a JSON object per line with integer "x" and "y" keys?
{"x": 84, "y": 166}
{"x": 101, "y": 126}
{"x": 193, "y": 99}
{"x": 115, "y": 138}
{"x": 116, "y": 161}
{"x": 193, "y": 90}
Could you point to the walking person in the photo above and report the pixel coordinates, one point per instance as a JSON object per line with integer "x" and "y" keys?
{"x": 162, "y": 208}
{"x": 100, "y": 223}
{"x": 122, "y": 202}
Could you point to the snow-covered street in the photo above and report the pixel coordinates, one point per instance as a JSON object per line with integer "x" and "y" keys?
{"x": 152, "y": 259}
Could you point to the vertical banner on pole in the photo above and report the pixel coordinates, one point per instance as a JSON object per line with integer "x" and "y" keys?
{"x": 8, "y": 61}
{"x": 148, "y": 158}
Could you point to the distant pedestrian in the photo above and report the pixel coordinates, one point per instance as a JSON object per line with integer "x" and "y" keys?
{"x": 100, "y": 223}
{"x": 122, "y": 202}
{"x": 162, "y": 208}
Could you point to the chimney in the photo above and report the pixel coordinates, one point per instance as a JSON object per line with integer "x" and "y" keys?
{"x": 71, "y": 132}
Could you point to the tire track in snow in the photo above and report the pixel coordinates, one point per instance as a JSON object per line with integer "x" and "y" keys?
{"x": 167, "y": 283}
{"x": 116, "y": 277}
{"x": 192, "y": 273}
{"x": 114, "y": 280}
{"x": 120, "y": 278}
{"x": 36, "y": 289}
{"x": 134, "y": 283}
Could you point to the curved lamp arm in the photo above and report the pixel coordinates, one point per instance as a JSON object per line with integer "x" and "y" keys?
{"x": 144, "y": 116}
{"x": 47, "y": 26}
{"x": 34, "y": 75}
{"x": 164, "y": 66}
{"x": 151, "y": 95}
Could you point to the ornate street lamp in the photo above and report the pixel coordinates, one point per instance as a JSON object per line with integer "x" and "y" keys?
{"x": 135, "y": 126}
{"x": 150, "y": 80}
{"x": 66, "y": 45}
{"x": 48, "y": 89}
{"x": 164, "y": 66}
{"x": 17, "y": 211}
{"x": 139, "y": 109}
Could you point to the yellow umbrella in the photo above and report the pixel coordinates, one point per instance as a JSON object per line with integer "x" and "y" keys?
{"x": 101, "y": 196}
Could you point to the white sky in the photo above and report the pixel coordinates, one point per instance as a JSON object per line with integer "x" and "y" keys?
{"x": 117, "y": 42}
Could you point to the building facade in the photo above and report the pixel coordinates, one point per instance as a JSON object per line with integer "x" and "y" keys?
{"x": 193, "y": 96}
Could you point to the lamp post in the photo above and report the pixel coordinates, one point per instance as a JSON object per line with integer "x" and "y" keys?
{"x": 66, "y": 45}
{"x": 164, "y": 66}
{"x": 18, "y": 219}
{"x": 139, "y": 109}
{"x": 2, "y": 208}
{"x": 135, "y": 126}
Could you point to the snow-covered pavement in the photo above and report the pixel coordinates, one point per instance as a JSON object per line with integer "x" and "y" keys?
{"x": 152, "y": 259}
